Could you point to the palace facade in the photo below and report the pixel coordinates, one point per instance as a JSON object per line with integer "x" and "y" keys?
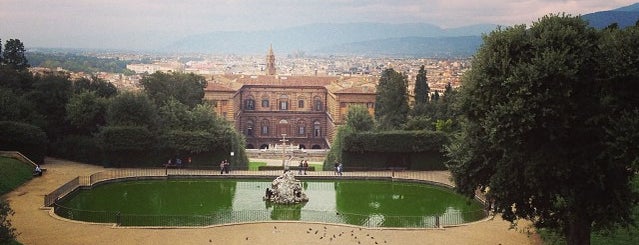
{"x": 306, "y": 109}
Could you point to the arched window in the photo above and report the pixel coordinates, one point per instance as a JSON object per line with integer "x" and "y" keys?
{"x": 317, "y": 104}
{"x": 249, "y": 128}
{"x": 283, "y": 102}
{"x": 265, "y": 125}
{"x": 249, "y": 103}
{"x": 301, "y": 127}
{"x": 317, "y": 129}
{"x": 265, "y": 102}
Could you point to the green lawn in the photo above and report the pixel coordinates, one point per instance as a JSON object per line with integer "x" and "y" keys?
{"x": 254, "y": 165}
{"x": 12, "y": 174}
{"x": 619, "y": 236}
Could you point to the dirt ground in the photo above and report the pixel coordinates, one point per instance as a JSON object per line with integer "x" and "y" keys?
{"x": 37, "y": 226}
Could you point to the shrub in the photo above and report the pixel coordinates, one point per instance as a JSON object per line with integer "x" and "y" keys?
{"x": 25, "y": 138}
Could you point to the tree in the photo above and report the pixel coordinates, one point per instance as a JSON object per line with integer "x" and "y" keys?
{"x": 188, "y": 89}
{"x": 537, "y": 134}
{"x": 391, "y": 101}
{"x": 1, "y": 56}
{"x": 101, "y": 87}
{"x": 86, "y": 112}
{"x": 7, "y": 233}
{"x": 359, "y": 119}
{"x": 50, "y": 94}
{"x": 132, "y": 109}
{"x": 421, "y": 87}
{"x": 13, "y": 55}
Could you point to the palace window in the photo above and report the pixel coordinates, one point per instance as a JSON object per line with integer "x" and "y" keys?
{"x": 283, "y": 102}
{"x": 300, "y": 104}
{"x": 317, "y": 104}
{"x": 317, "y": 131}
{"x": 265, "y": 103}
{"x": 249, "y": 104}
{"x": 249, "y": 128}
{"x": 265, "y": 127}
{"x": 301, "y": 129}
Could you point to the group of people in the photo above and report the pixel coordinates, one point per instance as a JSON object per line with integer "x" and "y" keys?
{"x": 177, "y": 162}
{"x": 225, "y": 167}
{"x": 303, "y": 167}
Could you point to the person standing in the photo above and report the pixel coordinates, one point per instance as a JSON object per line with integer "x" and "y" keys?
{"x": 305, "y": 166}
{"x": 227, "y": 166}
{"x": 222, "y": 166}
{"x": 340, "y": 168}
{"x": 300, "y": 168}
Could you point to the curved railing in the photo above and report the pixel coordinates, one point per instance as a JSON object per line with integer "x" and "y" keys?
{"x": 440, "y": 178}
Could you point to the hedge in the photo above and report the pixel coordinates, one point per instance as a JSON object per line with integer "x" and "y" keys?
{"x": 25, "y": 138}
{"x": 292, "y": 168}
{"x": 395, "y": 141}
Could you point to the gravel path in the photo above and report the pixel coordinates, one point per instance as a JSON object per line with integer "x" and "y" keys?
{"x": 37, "y": 226}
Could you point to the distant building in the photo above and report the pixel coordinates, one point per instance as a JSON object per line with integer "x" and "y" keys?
{"x": 305, "y": 108}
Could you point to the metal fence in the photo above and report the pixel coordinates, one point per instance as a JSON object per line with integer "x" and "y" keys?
{"x": 441, "y": 178}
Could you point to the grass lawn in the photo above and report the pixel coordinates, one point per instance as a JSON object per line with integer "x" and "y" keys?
{"x": 617, "y": 236}
{"x": 12, "y": 174}
{"x": 254, "y": 165}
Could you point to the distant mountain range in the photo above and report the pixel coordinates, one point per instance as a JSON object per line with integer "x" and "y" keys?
{"x": 624, "y": 17}
{"x": 353, "y": 38}
{"x": 369, "y": 39}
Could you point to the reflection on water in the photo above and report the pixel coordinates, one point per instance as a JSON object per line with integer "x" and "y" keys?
{"x": 370, "y": 203}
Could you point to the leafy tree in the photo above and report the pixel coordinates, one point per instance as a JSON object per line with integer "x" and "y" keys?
{"x": 537, "y": 136}
{"x": 188, "y": 89}
{"x": 14, "y": 107}
{"x": 174, "y": 115}
{"x": 422, "y": 90}
{"x": 359, "y": 119}
{"x": 101, "y": 87}
{"x": 13, "y": 55}
{"x": 132, "y": 109}
{"x": 50, "y": 94}
{"x": 1, "y": 56}
{"x": 391, "y": 103}
{"x": 7, "y": 233}
{"x": 86, "y": 112}
{"x": 420, "y": 122}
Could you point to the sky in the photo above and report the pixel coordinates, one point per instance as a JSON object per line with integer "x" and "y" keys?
{"x": 144, "y": 24}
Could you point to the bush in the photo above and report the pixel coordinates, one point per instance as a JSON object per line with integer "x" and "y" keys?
{"x": 7, "y": 233}
{"x": 292, "y": 168}
{"x": 79, "y": 148}
{"x": 25, "y": 138}
{"x": 395, "y": 141}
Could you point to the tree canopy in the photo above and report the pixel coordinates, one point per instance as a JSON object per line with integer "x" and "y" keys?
{"x": 422, "y": 91}
{"x": 391, "y": 101}
{"x": 541, "y": 134}
{"x": 13, "y": 55}
{"x": 188, "y": 89}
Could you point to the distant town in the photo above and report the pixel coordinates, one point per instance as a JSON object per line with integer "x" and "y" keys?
{"x": 441, "y": 71}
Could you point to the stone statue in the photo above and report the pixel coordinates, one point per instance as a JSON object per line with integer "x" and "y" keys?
{"x": 285, "y": 189}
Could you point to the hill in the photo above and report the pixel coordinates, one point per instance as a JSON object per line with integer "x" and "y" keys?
{"x": 324, "y": 38}
{"x": 624, "y": 17}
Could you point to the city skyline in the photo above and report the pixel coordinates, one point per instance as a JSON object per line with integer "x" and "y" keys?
{"x": 117, "y": 24}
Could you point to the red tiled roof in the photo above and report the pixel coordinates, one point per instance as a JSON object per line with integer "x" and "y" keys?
{"x": 218, "y": 88}
{"x": 357, "y": 90}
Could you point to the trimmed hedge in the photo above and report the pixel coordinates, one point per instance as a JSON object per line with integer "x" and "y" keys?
{"x": 395, "y": 141}
{"x": 25, "y": 138}
{"x": 416, "y": 150}
{"x": 79, "y": 148}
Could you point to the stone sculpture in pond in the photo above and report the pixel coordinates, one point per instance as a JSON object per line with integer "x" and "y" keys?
{"x": 285, "y": 189}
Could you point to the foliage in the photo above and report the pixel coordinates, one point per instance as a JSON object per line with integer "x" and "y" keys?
{"x": 101, "y": 87}
{"x": 14, "y": 173}
{"x": 335, "y": 152}
{"x": 188, "y": 88}
{"x": 132, "y": 109}
{"x": 78, "y": 63}
{"x": 80, "y": 148}
{"x": 422, "y": 90}
{"x": 50, "y": 94}
{"x": 86, "y": 112}
{"x": 117, "y": 138}
{"x": 420, "y": 123}
{"x": 539, "y": 126}
{"x": 391, "y": 101}
{"x": 16, "y": 80}
{"x": 7, "y": 233}
{"x": 395, "y": 141}
{"x": 13, "y": 55}
{"x": 191, "y": 141}
{"x": 25, "y": 138}
{"x": 359, "y": 119}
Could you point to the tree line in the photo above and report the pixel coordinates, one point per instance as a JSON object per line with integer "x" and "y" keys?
{"x": 89, "y": 120}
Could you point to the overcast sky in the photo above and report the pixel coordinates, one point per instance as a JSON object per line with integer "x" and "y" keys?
{"x": 151, "y": 23}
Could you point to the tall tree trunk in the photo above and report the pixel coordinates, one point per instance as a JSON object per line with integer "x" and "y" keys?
{"x": 578, "y": 232}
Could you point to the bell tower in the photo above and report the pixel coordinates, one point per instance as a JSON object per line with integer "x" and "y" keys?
{"x": 270, "y": 62}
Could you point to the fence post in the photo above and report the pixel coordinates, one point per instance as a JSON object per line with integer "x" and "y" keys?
{"x": 117, "y": 219}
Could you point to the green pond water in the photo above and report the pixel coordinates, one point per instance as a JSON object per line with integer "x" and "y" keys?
{"x": 215, "y": 201}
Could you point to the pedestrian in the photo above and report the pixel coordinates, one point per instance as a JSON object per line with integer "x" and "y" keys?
{"x": 300, "y": 168}
{"x": 222, "y": 166}
{"x": 305, "y": 166}
{"x": 340, "y": 168}
{"x": 227, "y": 166}
{"x": 335, "y": 170}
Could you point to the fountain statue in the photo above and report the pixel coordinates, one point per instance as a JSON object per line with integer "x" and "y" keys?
{"x": 285, "y": 189}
